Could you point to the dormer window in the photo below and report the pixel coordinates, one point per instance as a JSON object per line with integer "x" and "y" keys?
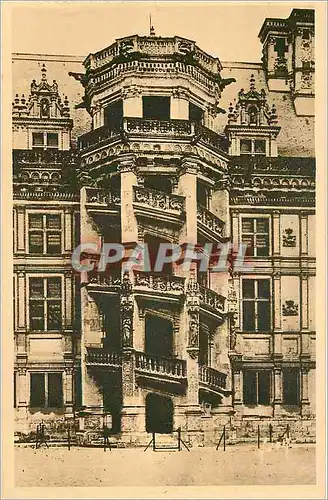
{"x": 252, "y": 147}
{"x": 253, "y": 113}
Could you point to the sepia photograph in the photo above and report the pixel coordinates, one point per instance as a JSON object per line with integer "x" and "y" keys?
{"x": 161, "y": 184}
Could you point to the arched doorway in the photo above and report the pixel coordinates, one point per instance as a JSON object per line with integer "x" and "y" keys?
{"x": 159, "y": 414}
{"x": 158, "y": 336}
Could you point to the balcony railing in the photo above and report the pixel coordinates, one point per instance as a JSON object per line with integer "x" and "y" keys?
{"x": 211, "y": 299}
{"x": 158, "y": 127}
{"x": 97, "y": 356}
{"x": 103, "y": 197}
{"x": 159, "y": 200}
{"x": 30, "y": 194}
{"x": 98, "y": 136}
{"x": 130, "y": 127}
{"x": 160, "y": 365}
{"x": 104, "y": 280}
{"x": 212, "y": 378}
{"x": 160, "y": 283}
{"x": 41, "y": 156}
{"x": 209, "y": 220}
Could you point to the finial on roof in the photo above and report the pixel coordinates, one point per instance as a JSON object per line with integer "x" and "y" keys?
{"x": 151, "y": 27}
{"x": 44, "y": 72}
{"x": 252, "y": 83}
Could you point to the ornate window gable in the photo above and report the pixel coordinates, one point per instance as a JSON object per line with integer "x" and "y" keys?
{"x": 252, "y": 123}
{"x": 44, "y": 101}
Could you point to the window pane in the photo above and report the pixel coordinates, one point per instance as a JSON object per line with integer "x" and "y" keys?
{"x": 36, "y": 315}
{"x": 249, "y": 392}
{"x": 249, "y": 316}
{"x": 259, "y": 146}
{"x": 264, "y": 382}
{"x": 35, "y": 221}
{"x": 249, "y": 241}
{"x": 291, "y": 387}
{"x": 245, "y": 146}
{"x": 37, "y": 139}
{"x": 55, "y": 390}
{"x": 54, "y": 315}
{"x": 36, "y": 288}
{"x": 263, "y": 289}
{"x": 37, "y": 390}
{"x": 53, "y": 221}
{"x": 263, "y": 320}
{"x": 35, "y": 242}
{"x": 53, "y": 287}
{"x": 262, "y": 225}
{"x": 262, "y": 245}
{"x": 156, "y": 107}
{"x": 53, "y": 243}
{"x": 52, "y": 140}
{"x": 248, "y": 289}
{"x": 247, "y": 225}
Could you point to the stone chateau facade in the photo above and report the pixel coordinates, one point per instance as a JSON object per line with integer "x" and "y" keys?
{"x": 153, "y": 140}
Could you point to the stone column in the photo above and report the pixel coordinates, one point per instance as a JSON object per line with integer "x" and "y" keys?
{"x": 68, "y": 388}
{"x": 276, "y": 233}
{"x": 192, "y": 310}
{"x": 188, "y": 188}
{"x": 277, "y": 381}
{"x": 20, "y": 230}
{"x": 68, "y": 230}
{"x": 304, "y": 233}
{"x": 305, "y": 402}
{"x": 129, "y": 225}
{"x": 220, "y": 204}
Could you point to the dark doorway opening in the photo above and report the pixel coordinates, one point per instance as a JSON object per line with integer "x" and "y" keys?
{"x": 156, "y": 107}
{"x": 159, "y": 337}
{"x": 112, "y": 398}
{"x": 159, "y": 182}
{"x": 159, "y": 414}
{"x": 153, "y": 249}
{"x": 113, "y": 115}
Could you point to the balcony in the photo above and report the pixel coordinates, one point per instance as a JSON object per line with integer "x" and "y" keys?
{"x": 99, "y": 357}
{"x": 183, "y": 132}
{"x": 209, "y": 224}
{"x": 156, "y": 372}
{"x": 175, "y": 128}
{"x": 103, "y": 283}
{"x": 212, "y": 303}
{"x": 103, "y": 200}
{"x": 41, "y": 156}
{"x": 158, "y": 287}
{"x": 212, "y": 381}
{"x": 150, "y": 203}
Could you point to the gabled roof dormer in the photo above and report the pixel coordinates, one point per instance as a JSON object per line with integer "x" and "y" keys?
{"x": 252, "y": 124}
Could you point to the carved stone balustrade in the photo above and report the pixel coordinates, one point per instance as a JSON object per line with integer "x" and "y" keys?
{"x": 210, "y": 221}
{"x": 100, "y": 282}
{"x": 100, "y": 357}
{"x": 98, "y": 136}
{"x": 159, "y": 200}
{"x": 102, "y": 197}
{"x": 168, "y": 367}
{"x": 159, "y": 283}
{"x": 158, "y": 127}
{"x": 212, "y": 379}
{"x": 211, "y": 299}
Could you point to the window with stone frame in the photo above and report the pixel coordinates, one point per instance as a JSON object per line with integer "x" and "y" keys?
{"x": 253, "y": 147}
{"x": 46, "y": 390}
{"x": 45, "y": 304}
{"x": 44, "y": 233}
{"x": 256, "y": 305}
{"x": 291, "y": 386}
{"x": 45, "y": 140}
{"x": 257, "y": 387}
{"x": 255, "y": 234}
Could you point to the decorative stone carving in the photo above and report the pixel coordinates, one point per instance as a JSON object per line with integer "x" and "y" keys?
{"x": 288, "y": 238}
{"x": 126, "y": 307}
{"x": 290, "y": 308}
